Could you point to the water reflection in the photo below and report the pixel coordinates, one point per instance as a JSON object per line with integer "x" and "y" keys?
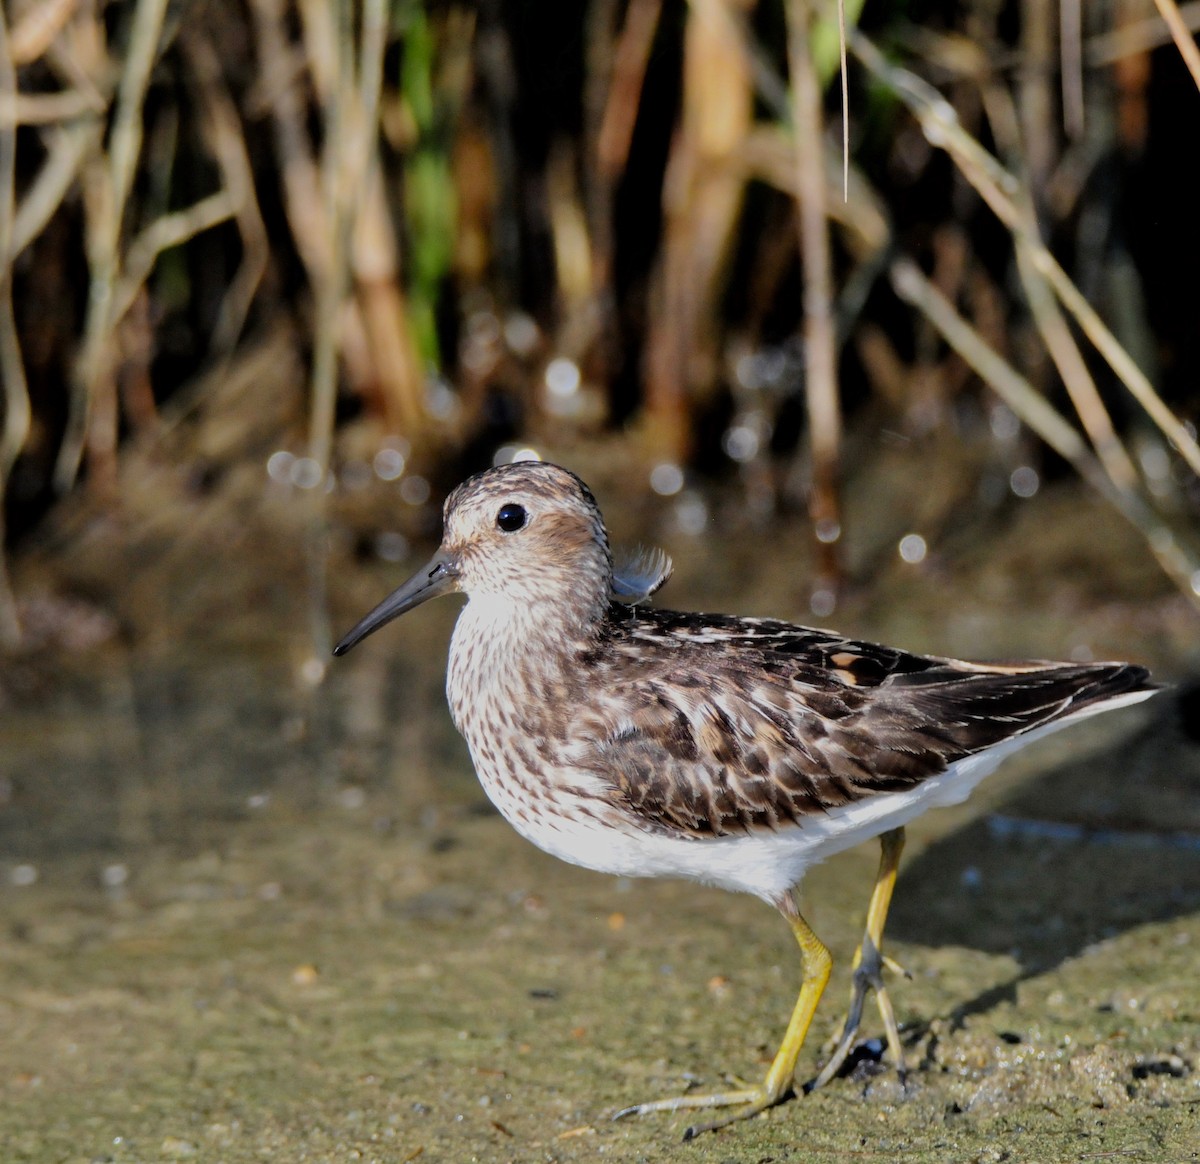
{"x": 170, "y": 752}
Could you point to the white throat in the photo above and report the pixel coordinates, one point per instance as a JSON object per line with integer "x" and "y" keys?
{"x": 496, "y": 640}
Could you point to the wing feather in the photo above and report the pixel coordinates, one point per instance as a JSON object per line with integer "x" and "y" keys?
{"x": 734, "y": 725}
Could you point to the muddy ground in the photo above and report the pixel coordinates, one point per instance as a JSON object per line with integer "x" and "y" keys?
{"x": 245, "y": 918}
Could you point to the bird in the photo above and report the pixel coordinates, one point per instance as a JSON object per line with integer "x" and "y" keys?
{"x": 735, "y": 752}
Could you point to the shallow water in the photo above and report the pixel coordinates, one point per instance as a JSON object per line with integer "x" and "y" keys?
{"x": 246, "y": 919}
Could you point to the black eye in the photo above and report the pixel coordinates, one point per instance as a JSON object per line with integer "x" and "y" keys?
{"x": 511, "y": 517}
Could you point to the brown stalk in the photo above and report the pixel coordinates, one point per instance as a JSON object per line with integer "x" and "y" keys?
{"x": 337, "y": 213}
{"x": 1070, "y": 39}
{"x": 330, "y": 53}
{"x": 575, "y": 274}
{"x": 328, "y": 46}
{"x": 118, "y": 272}
{"x": 12, "y": 366}
{"x": 702, "y": 197}
{"x": 374, "y": 255}
{"x": 820, "y": 337}
{"x": 79, "y": 56}
{"x": 348, "y": 85}
{"x": 36, "y": 29}
{"x": 1035, "y": 91}
{"x": 348, "y": 80}
{"x": 616, "y": 73}
{"x": 279, "y": 90}
{"x": 630, "y": 56}
{"x": 222, "y": 129}
{"x": 113, "y": 180}
{"x": 844, "y": 74}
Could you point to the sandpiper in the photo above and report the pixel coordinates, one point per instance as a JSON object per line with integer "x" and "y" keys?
{"x": 733, "y": 751}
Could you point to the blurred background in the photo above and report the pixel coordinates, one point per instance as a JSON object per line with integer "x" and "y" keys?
{"x": 287, "y": 273}
{"x": 906, "y": 343}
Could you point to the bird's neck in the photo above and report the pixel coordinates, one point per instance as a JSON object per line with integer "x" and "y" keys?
{"x": 502, "y": 647}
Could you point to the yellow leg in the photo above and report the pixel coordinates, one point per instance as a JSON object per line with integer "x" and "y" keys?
{"x": 780, "y": 1078}
{"x": 869, "y": 964}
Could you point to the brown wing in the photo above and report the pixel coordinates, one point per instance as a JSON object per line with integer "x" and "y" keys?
{"x": 731, "y": 725}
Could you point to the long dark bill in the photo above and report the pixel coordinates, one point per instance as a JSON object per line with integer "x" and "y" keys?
{"x": 436, "y": 577}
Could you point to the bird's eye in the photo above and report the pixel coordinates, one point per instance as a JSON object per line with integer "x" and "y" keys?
{"x": 511, "y": 517}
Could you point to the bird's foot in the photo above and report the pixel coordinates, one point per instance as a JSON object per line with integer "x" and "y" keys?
{"x": 868, "y": 975}
{"x": 745, "y": 1102}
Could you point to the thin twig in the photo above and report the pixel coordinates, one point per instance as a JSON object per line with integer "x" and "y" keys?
{"x": 46, "y": 108}
{"x": 1182, "y": 37}
{"x": 1031, "y": 406}
{"x": 1076, "y": 378}
{"x": 1177, "y": 562}
{"x": 370, "y": 86}
{"x": 66, "y": 150}
{"x": 167, "y": 231}
{"x": 1138, "y": 36}
{"x": 1046, "y": 312}
{"x": 79, "y": 57}
{"x": 125, "y": 138}
{"x": 1000, "y": 190}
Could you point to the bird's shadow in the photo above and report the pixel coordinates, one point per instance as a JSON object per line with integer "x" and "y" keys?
{"x": 1102, "y": 843}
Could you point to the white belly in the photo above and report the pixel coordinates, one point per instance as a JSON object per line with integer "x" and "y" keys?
{"x": 764, "y": 863}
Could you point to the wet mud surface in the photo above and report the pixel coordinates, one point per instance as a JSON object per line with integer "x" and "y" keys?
{"x": 244, "y": 919}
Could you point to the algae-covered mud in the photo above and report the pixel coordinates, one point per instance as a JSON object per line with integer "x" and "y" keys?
{"x": 247, "y": 921}
{"x": 328, "y": 982}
